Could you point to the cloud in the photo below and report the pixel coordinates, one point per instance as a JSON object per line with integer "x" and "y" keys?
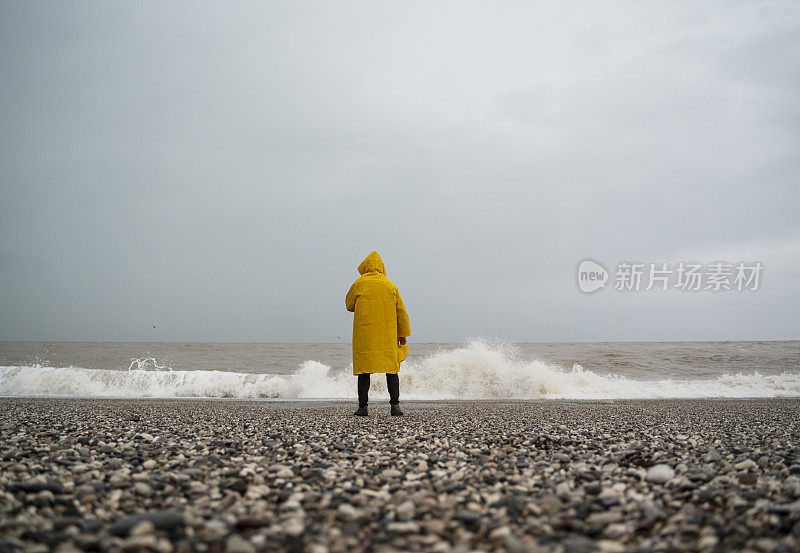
{"x": 223, "y": 168}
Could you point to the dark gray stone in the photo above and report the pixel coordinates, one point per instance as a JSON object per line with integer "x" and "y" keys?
{"x": 162, "y": 520}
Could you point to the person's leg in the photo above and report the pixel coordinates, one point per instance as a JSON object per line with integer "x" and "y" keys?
{"x": 363, "y": 390}
{"x": 393, "y": 383}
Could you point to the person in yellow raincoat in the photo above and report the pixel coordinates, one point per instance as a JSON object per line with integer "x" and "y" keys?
{"x": 380, "y": 328}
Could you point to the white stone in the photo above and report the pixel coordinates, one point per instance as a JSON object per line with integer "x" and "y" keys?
{"x": 409, "y": 527}
{"x": 610, "y": 546}
{"x": 294, "y": 526}
{"x": 142, "y": 489}
{"x": 659, "y": 473}
{"x": 143, "y": 528}
{"x": 604, "y": 518}
{"x": 348, "y": 512}
{"x": 237, "y": 544}
{"x": 617, "y": 530}
{"x": 707, "y": 542}
{"x": 405, "y": 511}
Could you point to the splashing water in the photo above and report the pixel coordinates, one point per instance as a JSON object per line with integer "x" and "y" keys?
{"x": 147, "y": 363}
{"x": 475, "y": 371}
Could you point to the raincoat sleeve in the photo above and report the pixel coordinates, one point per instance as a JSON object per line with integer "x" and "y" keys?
{"x": 350, "y": 299}
{"x": 403, "y": 326}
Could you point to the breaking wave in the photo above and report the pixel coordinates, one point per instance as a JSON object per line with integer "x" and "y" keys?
{"x": 476, "y": 371}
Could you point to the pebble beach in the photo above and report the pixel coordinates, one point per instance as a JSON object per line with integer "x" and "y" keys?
{"x": 181, "y": 476}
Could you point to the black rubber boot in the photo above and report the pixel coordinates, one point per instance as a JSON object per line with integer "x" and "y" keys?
{"x": 362, "y": 412}
{"x": 396, "y": 412}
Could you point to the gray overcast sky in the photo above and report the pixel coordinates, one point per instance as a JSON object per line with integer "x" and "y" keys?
{"x": 220, "y": 169}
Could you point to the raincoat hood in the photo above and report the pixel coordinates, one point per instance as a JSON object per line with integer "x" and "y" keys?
{"x": 372, "y": 264}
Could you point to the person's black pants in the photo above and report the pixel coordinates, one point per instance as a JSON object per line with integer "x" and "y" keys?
{"x": 392, "y": 382}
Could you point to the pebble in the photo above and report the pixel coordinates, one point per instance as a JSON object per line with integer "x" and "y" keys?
{"x": 139, "y": 543}
{"x": 747, "y": 464}
{"x": 164, "y": 476}
{"x": 163, "y": 520}
{"x": 610, "y": 546}
{"x": 403, "y": 527}
{"x": 348, "y": 512}
{"x": 142, "y": 488}
{"x": 237, "y": 544}
{"x": 659, "y": 473}
{"x": 143, "y": 528}
{"x": 748, "y": 479}
{"x": 405, "y": 510}
{"x": 604, "y": 518}
{"x": 616, "y": 530}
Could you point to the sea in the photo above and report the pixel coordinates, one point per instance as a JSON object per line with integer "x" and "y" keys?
{"x": 476, "y": 369}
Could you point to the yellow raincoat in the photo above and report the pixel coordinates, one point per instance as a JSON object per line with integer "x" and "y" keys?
{"x": 380, "y": 319}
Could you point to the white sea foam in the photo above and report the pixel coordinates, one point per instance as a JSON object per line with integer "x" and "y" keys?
{"x": 476, "y": 371}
